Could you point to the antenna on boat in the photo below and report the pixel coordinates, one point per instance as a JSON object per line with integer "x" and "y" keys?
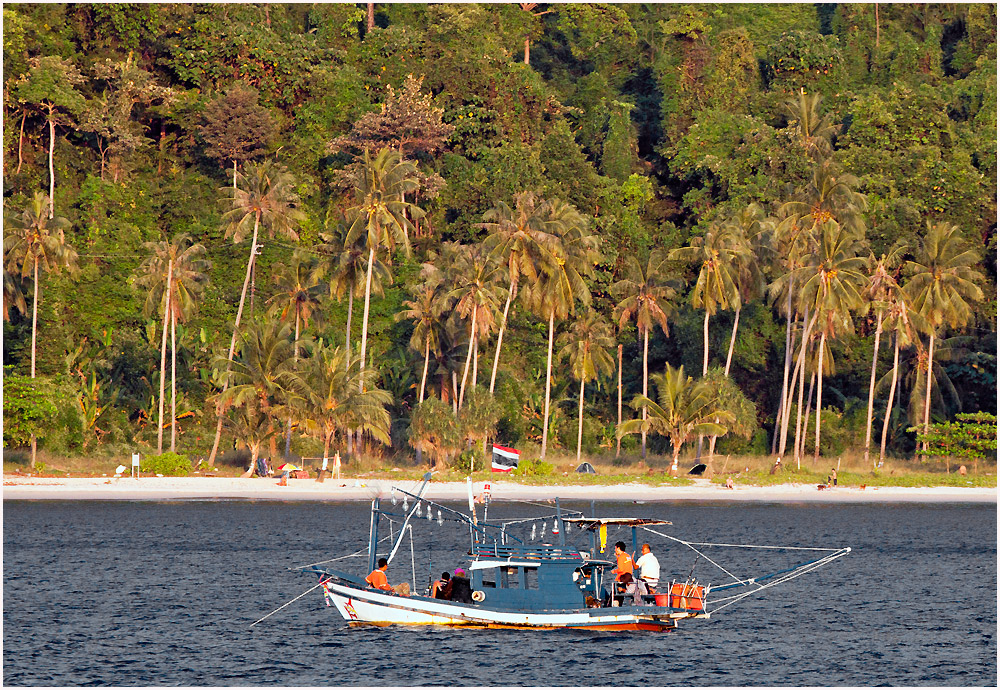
{"x": 472, "y": 502}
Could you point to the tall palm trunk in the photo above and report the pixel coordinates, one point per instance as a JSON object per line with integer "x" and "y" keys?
{"x": 786, "y": 417}
{"x": 927, "y": 398}
{"x": 364, "y": 321}
{"x": 704, "y": 362}
{"x": 173, "y": 383}
{"x": 618, "y": 440}
{"x": 819, "y": 393}
{"x": 801, "y": 366}
{"x": 370, "y": 25}
{"x": 52, "y": 171}
{"x": 503, "y": 327}
{"x": 475, "y": 363}
{"x": 236, "y": 326}
{"x": 548, "y": 382}
{"x": 579, "y": 426}
{"x": 801, "y": 443}
{"x": 234, "y": 174}
{"x": 34, "y": 334}
{"x": 288, "y": 428}
{"x": 871, "y": 389}
{"x": 645, "y": 389}
{"x": 163, "y": 354}
{"x": 20, "y": 142}
{"x": 347, "y": 360}
{"x": 892, "y": 394}
{"x": 468, "y": 356}
{"x": 423, "y": 377}
{"x": 785, "y": 392}
{"x": 732, "y": 338}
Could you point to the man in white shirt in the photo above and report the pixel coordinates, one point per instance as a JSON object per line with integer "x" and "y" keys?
{"x": 649, "y": 568}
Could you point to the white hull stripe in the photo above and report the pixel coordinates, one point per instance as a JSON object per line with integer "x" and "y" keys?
{"x": 359, "y": 605}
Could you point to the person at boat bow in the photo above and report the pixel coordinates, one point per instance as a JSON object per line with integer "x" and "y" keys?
{"x": 378, "y": 580}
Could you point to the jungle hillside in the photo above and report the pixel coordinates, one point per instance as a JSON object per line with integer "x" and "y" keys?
{"x": 633, "y": 234}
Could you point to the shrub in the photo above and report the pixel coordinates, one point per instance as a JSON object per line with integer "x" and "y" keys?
{"x": 971, "y": 436}
{"x": 168, "y": 464}
{"x": 27, "y": 409}
{"x": 528, "y": 467}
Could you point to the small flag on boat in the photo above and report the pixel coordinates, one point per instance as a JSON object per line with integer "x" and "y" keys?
{"x": 505, "y": 459}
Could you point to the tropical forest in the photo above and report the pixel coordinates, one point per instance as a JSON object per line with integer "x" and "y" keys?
{"x": 642, "y": 235}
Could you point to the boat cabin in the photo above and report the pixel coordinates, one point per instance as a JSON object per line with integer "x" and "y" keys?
{"x": 530, "y": 577}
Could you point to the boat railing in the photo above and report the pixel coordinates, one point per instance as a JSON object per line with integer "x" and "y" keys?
{"x": 538, "y": 552}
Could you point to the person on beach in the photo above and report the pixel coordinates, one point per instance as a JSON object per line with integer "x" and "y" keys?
{"x": 649, "y": 570}
{"x": 729, "y": 482}
{"x": 833, "y": 475}
{"x": 378, "y": 580}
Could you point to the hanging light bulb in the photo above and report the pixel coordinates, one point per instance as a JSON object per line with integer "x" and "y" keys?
{"x": 406, "y": 505}
{"x": 392, "y": 495}
{"x": 533, "y": 531}
{"x": 440, "y": 519}
{"x": 567, "y": 526}
{"x": 429, "y": 516}
{"x": 418, "y": 509}
{"x": 544, "y": 525}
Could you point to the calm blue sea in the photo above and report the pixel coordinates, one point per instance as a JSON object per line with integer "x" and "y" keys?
{"x": 163, "y": 593}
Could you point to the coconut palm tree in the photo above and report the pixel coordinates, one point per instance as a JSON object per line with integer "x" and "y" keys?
{"x": 943, "y": 287}
{"x": 347, "y": 267}
{"x": 263, "y": 376}
{"x": 519, "y": 238}
{"x": 718, "y": 254}
{"x": 35, "y": 242}
{"x": 751, "y": 231}
{"x": 333, "y": 400}
{"x": 380, "y": 215}
{"x": 903, "y": 324}
{"x": 879, "y": 293}
{"x": 586, "y": 345}
{"x": 684, "y": 408}
{"x": 645, "y": 295}
{"x": 298, "y": 296}
{"x": 560, "y": 283}
{"x": 264, "y": 196}
{"x": 175, "y": 274}
{"x": 832, "y": 282}
{"x": 813, "y": 129}
{"x": 474, "y": 276}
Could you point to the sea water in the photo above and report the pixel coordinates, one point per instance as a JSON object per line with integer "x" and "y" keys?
{"x": 164, "y": 593}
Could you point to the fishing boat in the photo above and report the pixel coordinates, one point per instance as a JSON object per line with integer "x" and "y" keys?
{"x": 517, "y": 583}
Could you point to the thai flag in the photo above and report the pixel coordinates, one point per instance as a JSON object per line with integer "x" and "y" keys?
{"x": 505, "y": 459}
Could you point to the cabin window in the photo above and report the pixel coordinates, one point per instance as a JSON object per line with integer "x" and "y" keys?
{"x": 487, "y": 573}
{"x": 530, "y": 578}
{"x": 509, "y": 578}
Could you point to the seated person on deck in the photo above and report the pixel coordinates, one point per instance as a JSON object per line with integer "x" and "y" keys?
{"x": 378, "y": 580}
{"x": 440, "y": 588}
{"x": 460, "y": 587}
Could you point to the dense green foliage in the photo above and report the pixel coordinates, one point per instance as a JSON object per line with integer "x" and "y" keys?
{"x": 658, "y": 125}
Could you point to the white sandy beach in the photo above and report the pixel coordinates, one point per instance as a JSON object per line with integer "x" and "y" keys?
{"x": 208, "y": 488}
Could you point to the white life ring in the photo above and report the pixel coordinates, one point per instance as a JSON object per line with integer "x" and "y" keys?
{"x": 478, "y": 595}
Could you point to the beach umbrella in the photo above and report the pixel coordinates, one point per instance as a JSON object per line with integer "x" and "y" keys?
{"x": 289, "y": 467}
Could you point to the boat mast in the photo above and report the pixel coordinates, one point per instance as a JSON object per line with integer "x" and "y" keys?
{"x": 373, "y": 534}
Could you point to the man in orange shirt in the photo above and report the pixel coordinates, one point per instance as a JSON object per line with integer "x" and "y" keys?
{"x": 378, "y": 580}
{"x": 625, "y": 564}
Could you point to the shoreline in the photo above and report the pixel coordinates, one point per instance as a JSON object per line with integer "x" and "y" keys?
{"x": 358, "y": 489}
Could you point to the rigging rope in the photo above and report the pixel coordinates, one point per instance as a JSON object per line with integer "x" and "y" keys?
{"x": 320, "y": 584}
{"x": 690, "y": 546}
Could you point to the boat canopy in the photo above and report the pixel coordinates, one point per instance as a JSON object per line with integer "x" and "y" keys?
{"x": 595, "y": 523}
